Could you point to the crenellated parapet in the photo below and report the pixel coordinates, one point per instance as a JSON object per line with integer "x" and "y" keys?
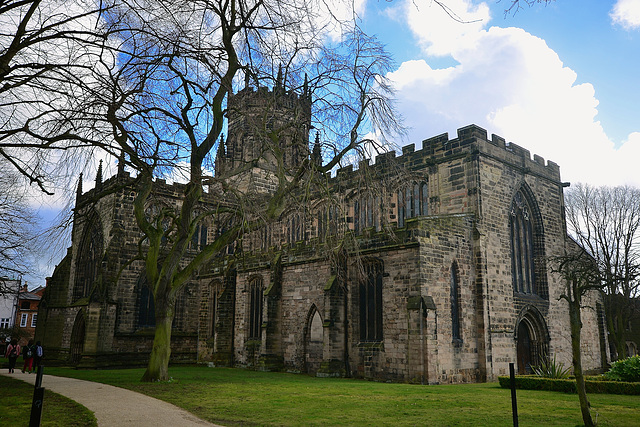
{"x": 471, "y": 140}
{"x": 249, "y": 97}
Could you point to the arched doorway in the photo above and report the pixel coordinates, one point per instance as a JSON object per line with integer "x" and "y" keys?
{"x": 77, "y": 338}
{"x": 524, "y": 349}
{"x": 313, "y": 342}
{"x": 532, "y": 339}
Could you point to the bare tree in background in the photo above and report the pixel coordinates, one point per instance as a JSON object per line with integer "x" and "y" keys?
{"x": 606, "y": 222}
{"x": 17, "y": 224}
{"x": 514, "y": 6}
{"x": 49, "y": 51}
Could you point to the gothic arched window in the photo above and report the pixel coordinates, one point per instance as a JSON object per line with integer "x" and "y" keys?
{"x": 180, "y": 319}
{"x": 527, "y": 247}
{"x": 89, "y": 257}
{"x": 256, "y": 294}
{"x": 370, "y": 291}
{"x": 146, "y": 308}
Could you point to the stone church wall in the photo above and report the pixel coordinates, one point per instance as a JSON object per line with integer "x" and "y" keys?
{"x": 464, "y": 244}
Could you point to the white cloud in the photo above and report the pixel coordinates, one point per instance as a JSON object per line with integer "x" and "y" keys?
{"x": 512, "y": 84}
{"x": 626, "y": 13}
{"x": 440, "y": 30}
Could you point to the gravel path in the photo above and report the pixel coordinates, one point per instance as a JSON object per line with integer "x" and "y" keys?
{"x": 115, "y": 406}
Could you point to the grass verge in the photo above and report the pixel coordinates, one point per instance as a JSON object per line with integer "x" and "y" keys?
{"x": 240, "y": 397}
{"x": 57, "y": 411}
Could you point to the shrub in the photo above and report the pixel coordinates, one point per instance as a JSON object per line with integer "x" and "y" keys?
{"x": 533, "y": 382}
{"x": 625, "y": 370}
{"x": 550, "y": 368}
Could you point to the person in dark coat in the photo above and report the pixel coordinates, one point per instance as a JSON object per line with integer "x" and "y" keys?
{"x": 13, "y": 350}
{"x": 27, "y": 356}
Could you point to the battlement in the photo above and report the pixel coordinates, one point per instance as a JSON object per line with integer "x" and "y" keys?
{"x": 249, "y": 97}
{"x": 471, "y": 140}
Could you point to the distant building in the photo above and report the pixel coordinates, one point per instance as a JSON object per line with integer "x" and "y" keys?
{"x": 27, "y": 311}
{"x": 445, "y": 278}
{"x": 8, "y": 301}
{"x": 19, "y": 309}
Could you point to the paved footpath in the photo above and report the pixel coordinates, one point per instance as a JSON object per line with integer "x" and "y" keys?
{"x": 115, "y": 406}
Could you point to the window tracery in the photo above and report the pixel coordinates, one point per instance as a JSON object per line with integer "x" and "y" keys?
{"x": 528, "y": 270}
{"x": 256, "y": 294}
{"x": 89, "y": 257}
{"x": 370, "y": 296}
{"x": 412, "y": 201}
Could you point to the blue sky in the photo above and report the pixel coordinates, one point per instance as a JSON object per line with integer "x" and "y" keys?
{"x": 561, "y": 80}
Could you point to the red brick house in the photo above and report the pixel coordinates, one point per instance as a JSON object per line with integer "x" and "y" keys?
{"x": 27, "y": 310}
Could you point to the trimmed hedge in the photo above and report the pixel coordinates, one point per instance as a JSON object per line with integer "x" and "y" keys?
{"x": 533, "y": 382}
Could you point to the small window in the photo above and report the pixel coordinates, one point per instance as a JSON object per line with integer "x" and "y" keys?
{"x": 199, "y": 238}
{"x": 25, "y": 305}
{"x": 146, "y": 307}
{"x": 4, "y": 322}
{"x": 256, "y": 294}
{"x": 34, "y": 319}
{"x": 455, "y": 303}
{"x": 23, "y": 319}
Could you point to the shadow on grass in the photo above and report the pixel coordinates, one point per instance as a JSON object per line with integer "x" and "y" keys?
{"x": 236, "y": 396}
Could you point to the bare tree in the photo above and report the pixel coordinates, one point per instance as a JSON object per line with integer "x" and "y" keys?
{"x": 606, "y": 222}
{"x": 514, "y": 6}
{"x": 582, "y": 276}
{"x": 17, "y": 223}
{"x": 48, "y": 63}
{"x": 166, "y": 97}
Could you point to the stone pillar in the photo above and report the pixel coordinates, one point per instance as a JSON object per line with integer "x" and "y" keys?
{"x": 91, "y": 337}
{"x": 334, "y": 352}
{"x": 271, "y": 358}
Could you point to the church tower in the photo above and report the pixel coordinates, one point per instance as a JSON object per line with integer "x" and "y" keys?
{"x": 268, "y": 131}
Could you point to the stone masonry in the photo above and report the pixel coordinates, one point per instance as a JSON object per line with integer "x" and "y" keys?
{"x": 435, "y": 272}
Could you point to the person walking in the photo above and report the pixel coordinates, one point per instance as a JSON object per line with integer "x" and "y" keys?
{"x": 27, "y": 356}
{"x": 37, "y": 356}
{"x": 13, "y": 350}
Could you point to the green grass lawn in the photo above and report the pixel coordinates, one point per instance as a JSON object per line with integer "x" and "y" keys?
{"x": 240, "y": 397}
{"x": 57, "y": 411}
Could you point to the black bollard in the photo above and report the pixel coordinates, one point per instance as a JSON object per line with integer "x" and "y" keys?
{"x": 514, "y": 403}
{"x": 39, "y": 377}
{"x": 38, "y": 400}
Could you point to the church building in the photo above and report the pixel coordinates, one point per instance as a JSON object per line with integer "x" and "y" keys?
{"x": 434, "y": 271}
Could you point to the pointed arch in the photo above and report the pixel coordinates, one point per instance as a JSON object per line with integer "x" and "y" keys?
{"x": 526, "y": 230}
{"x": 532, "y": 338}
{"x": 77, "y": 338}
{"x": 145, "y": 307}
{"x": 313, "y": 340}
{"x": 90, "y": 253}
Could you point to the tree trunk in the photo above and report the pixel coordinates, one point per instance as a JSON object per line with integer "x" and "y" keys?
{"x": 576, "y": 326}
{"x": 158, "y": 367}
{"x": 617, "y": 311}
